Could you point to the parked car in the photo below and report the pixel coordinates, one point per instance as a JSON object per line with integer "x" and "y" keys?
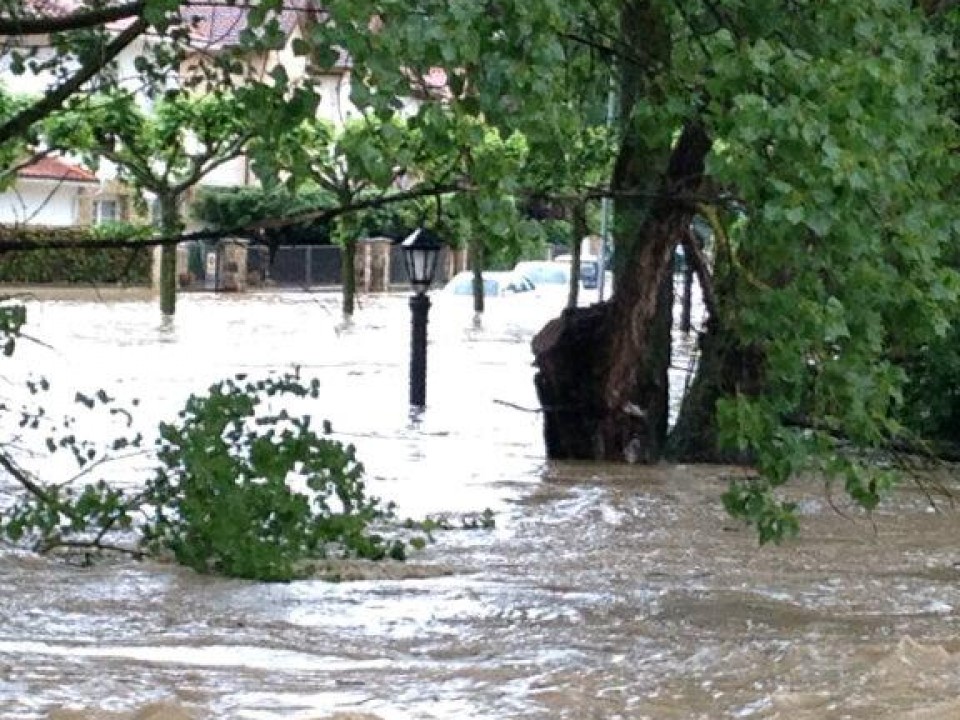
{"x": 495, "y": 284}
{"x": 543, "y": 273}
{"x": 589, "y": 269}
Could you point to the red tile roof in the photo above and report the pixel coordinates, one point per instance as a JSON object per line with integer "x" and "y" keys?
{"x": 50, "y": 168}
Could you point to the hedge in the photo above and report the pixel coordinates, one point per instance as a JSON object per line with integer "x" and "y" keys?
{"x": 123, "y": 266}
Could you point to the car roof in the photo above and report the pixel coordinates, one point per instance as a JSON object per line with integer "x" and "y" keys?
{"x": 491, "y": 274}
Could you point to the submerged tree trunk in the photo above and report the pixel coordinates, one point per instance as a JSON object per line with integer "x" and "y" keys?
{"x": 725, "y": 369}
{"x": 476, "y": 265}
{"x": 170, "y": 226}
{"x": 345, "y": 235}
{"x": 348, "y": 270}
{"x": 602, "y": 377}
{"x": 726, "y": 366}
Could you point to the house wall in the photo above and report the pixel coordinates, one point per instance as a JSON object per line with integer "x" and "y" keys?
{"x": 335, "y": 105}
{"x": 39, "y": 203}
{"x": 229, "y": 174}
{"x": 295, "y": 65}
{"x": 126, "y": 71}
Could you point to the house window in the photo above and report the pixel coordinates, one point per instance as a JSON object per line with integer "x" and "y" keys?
{"x": 105, "y": 211}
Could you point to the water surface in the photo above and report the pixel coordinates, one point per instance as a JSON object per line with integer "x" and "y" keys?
{"x": 603, "y": 592}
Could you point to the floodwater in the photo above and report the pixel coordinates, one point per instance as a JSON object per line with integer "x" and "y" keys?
{"x": 603, "y": 591}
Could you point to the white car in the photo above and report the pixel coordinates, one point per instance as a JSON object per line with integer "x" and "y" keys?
{"x": 495, "y": 284}
{"x": 589, "y": 269}
{"x": 552, "y": 277}
{"x": 544, "y": 273}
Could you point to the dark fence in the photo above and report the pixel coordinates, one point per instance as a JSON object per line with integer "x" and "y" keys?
{"x": 305, "y": 266}
{"x": 320, "y": 265}
{"x": 238, "y": 265}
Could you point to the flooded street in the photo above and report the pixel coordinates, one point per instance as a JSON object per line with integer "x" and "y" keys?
{"x": 603, "y": 591}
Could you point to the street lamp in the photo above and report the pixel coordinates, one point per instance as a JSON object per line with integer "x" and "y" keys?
{"x": 420, "y": 252}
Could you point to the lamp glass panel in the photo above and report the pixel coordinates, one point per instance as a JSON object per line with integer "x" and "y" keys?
{"x": 420, "y": 257}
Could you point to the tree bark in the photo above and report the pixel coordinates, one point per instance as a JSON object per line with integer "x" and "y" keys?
{"x": 569, "y": 381}
{"x": 475, "y": 249}
{"x": 348, "y": 271}
{"x": 77, "y": 20}
{"x": 686, "y": 315}
{"x": 726, "y": 366}
{"x": 344, "y": 234}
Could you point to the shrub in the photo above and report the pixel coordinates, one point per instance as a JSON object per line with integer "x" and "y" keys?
{"x": 252, "y": 492}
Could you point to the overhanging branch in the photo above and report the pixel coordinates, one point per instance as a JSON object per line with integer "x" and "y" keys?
{"x": 386, "y": 199}
{"x": 74, "y": 21}
{"x": 21, "y": 122}
{"x": 253, "y": 230}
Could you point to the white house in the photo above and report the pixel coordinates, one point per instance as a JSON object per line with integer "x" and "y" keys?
{"x": 52, "y": 191}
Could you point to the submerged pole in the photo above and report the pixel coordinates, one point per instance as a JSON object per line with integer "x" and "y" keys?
{"x": 419, "y": 310}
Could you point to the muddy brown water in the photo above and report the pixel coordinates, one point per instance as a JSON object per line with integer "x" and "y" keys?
{"x": 603, "y": 591}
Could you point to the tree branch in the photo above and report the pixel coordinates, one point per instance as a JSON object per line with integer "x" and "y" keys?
{"x": 250, "y": 230}
{"x": 695, "y": 255}
{"x": 21, "y": 122}
{"x": 96, "y": 544}
{"x": 22, "y": 477}
{"x": 330, "y": 213}
{"x": 74, "y": 21}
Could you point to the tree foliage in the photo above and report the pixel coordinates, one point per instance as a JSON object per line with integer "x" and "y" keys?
{"x": 838, "y": 150}
{"x": 257, "y": 494}
{"x": 820, "y": 137}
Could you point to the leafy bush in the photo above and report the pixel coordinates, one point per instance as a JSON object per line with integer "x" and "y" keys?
{"x": 68, "y": 514}
{"x": 249, "y": 492}
{"x": 235, "y": 207}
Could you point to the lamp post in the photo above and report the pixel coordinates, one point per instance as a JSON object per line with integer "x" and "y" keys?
{"x": 420, "y": 252}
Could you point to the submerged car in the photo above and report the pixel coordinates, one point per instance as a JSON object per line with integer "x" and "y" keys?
{"x": 495, "y": 284}
{"x": 589, "y": 269}
{"x": 544, "y": 273}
